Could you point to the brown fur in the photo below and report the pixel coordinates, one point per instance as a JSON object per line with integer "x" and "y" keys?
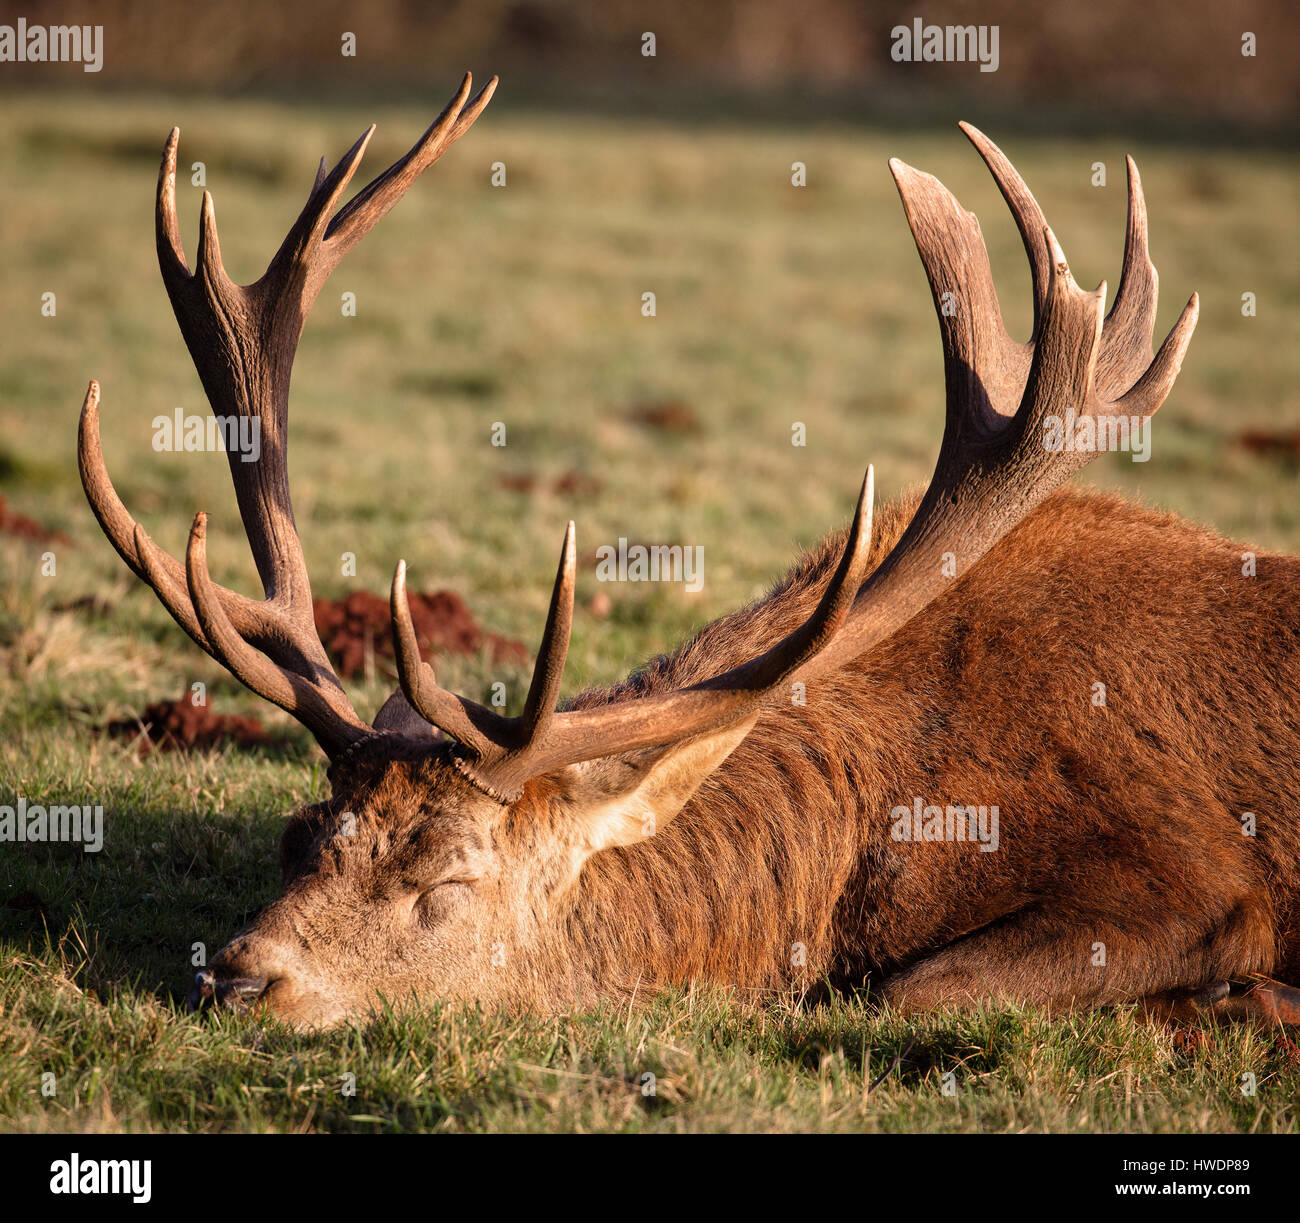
{"x": 1119, "y": 825}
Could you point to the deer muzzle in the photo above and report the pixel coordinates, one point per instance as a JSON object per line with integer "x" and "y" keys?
{"x": 213, "y": 988}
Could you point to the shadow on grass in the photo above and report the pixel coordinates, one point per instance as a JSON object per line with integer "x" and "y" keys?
{"x": 164, "y": 892}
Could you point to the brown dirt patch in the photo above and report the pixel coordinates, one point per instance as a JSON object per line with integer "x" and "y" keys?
{"x": 1270, "y": 442}
{"x": 666, "y": 415}
{"x": 12, "y": 523}
{"x": 179, "y": 725}
{"x": 443, "y": 624}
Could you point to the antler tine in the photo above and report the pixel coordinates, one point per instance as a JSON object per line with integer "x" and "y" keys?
{"x": 143, "y": 557}
{"x": 985, "y": 370}
{"x": 457, "y": 716}
{"x": 1024, "y": 209}
{"x": 548, "y": 671}
{"x": 208, "y": 259}
{"x": 171, "y": 255}
{"x": 333, "y": 721}
{"x": 158, "y": 581}
{"x": 1126, "y": 341}
{"x": 114, "y": 519}
{"x": 372, "y": 202}
{"x": 1151, "y": 390}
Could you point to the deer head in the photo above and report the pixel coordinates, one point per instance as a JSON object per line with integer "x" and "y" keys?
{"x": 441, "y": 865}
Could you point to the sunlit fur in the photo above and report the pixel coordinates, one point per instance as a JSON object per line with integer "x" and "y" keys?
{"x": 1120, "y": 825}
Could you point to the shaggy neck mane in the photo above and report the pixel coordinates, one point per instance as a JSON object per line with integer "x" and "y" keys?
{"x": 742, "y": 886}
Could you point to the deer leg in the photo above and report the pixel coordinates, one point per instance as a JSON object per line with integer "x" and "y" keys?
{"x": 1185, "y": 1006}
{"x": 1268, "y": 1002}
{"x": 1037, "y": 958}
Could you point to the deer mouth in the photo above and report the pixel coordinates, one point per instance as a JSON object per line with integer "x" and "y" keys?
{"x": 282, "y": 998}
{"x": 211, "y": 989}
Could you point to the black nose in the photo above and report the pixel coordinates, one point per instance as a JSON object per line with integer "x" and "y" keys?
{"x": 213, "y": 989}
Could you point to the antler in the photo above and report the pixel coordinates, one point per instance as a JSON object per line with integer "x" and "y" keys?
{"x": 243, "y": 339}
{"x": 993, "y": 470}
{"x": 506, "y": 752}
{"x": 994, "y": 466}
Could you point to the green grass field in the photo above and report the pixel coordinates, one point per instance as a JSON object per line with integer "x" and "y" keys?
{"x": 522, "y": 305}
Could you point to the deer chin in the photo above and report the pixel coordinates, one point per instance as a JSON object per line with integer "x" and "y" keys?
{"x": 311, "y": 1005}
{"x": 302, "y": 1007}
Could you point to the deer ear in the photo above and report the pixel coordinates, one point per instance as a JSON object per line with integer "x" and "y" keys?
{"x": 622, "y": 800}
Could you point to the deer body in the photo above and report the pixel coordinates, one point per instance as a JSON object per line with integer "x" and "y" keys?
{"x": 698, "y": 822}
{"x": 1120, "y": 823}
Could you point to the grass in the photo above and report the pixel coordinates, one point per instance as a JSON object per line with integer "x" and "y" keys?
{"x": 522, "y": 305}
{"x": 695, "y": 1061}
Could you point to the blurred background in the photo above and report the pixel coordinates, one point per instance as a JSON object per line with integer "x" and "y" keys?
{"x": 521, "y": 302}
{"x": 1164, "y": 62}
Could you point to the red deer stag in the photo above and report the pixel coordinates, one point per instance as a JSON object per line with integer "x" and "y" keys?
{"x": 793, "y": 794}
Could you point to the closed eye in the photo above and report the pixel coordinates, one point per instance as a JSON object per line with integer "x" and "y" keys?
{"x": 441, "y": 899}
{"x": 452, "y": 873}
{"x": 449, "y": 881}
{"x": 442, "y": 888}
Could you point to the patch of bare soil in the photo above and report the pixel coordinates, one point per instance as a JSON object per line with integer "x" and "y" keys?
{"x": 179, "y": 725}
{"x": 360, "y": 621}
{"x": 12, "y": 523}
{"x": 666, "y": 415}
{"x": 1270, "y": 442}
{"x": 570, "y": 484}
